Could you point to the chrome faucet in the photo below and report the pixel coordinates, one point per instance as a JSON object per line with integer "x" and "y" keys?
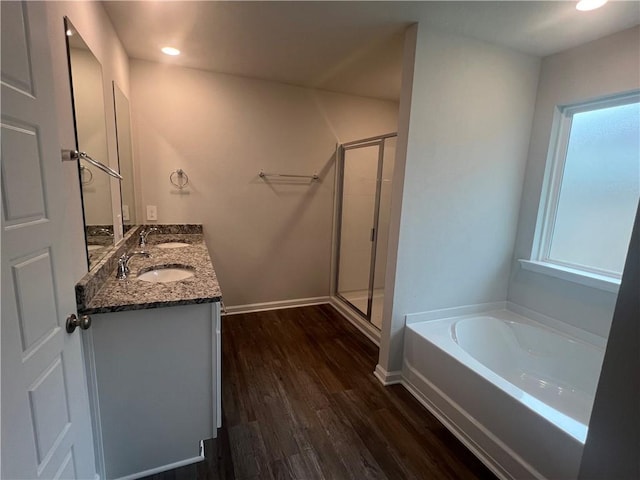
{"x": 123, "y": 263}
{"x": 144, "y": 234}
{"x": 98, "y": 231}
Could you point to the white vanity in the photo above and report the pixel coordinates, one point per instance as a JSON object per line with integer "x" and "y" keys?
{"x": 153, "y": 362}
{"x": 152, "y": 354}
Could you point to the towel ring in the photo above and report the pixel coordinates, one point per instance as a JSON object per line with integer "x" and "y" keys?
{"x": 179, "y": 178}
{"x": 86, "y": 175}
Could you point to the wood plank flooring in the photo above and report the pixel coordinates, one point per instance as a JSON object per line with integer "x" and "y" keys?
{"x": 300, "y": 401}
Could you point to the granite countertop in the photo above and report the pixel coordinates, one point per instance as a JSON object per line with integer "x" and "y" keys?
{"x": 98, "y": 246}
{"x": 113, "y": 295}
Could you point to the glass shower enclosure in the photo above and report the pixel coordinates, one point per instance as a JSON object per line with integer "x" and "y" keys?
{"x": 366, "y": 170}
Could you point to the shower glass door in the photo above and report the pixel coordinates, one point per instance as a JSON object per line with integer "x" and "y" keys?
{"x": 366, "y": 169}
{"x": 360, "y": 165}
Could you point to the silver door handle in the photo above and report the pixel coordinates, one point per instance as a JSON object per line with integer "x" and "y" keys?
{"x": 83, "y": 322}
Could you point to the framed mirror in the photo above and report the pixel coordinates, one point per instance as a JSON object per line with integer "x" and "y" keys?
{"x": 89, "y": 116}
{"x": 125, "y": 157}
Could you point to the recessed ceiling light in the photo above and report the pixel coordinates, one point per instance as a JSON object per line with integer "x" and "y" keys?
{"x": 170, "y": 51}
{"x": 586, "y": 5}
{"x": 69, "y": 32}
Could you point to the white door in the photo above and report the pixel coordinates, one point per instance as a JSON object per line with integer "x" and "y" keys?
{"x": 46, "y": 427}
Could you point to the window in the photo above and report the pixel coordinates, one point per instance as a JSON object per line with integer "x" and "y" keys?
{"x": 592, "y": 191}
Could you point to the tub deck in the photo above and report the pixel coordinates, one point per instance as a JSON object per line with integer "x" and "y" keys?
{"x": 508, "y": 394}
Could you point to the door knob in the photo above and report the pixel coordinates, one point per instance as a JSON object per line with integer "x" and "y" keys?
{"x": 83, "y": 322}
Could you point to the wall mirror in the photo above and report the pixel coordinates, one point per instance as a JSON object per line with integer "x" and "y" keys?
{"x": 91, "y": 137}
{"x": 125, "y": 156}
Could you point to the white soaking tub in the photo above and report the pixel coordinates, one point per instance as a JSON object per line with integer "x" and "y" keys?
{"x": 517, "y": 393}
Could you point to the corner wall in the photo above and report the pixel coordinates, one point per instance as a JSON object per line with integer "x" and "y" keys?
{"x": 270, "y": 240}
{"x": 606, "y": 66}
{"x": 471, "y": 111}
{"x": 611, "y": 448}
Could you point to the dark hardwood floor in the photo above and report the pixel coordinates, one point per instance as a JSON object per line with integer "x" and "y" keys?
{"x": 300, "y": 401}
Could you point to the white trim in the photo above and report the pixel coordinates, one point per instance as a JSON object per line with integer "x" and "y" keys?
{"x": 387, "y": 378}
{"x": 335, "y": 221}
{"x": 454, "y": 312}
{"x": 589, "y": 279}
{"x": 265, "y": 306}
{"x": 94, "y": 401}
{"x": 556, "y": 157}
{"x": 552, "y": 183}
{"x": 517, "y": 468}
{"x": 216, "y": 368}
{"x": 164, "y": 468}
{"x": 365, "y": 327}
{"x": 605, "y": 101}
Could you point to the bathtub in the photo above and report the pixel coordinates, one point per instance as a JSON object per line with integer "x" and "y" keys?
{"x": 517, "y": 393}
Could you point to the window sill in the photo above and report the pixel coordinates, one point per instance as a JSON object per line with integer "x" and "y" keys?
{"x": 601, "y": 282}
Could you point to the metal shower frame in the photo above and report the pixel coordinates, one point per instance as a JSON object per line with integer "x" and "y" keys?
{"x": 379, "y": 141}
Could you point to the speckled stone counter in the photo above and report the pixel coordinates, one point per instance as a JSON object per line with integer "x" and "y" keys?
{"x": 99, "y": 240}
{"x": 108, "y": 294}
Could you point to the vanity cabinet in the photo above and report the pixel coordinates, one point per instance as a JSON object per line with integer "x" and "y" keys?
{"x": 154, "y": 378}
{"x": 153, "y": 355}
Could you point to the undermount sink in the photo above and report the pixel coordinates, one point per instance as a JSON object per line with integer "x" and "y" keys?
{"x": 172, "y": 245}
{"x": 166, "y": 273}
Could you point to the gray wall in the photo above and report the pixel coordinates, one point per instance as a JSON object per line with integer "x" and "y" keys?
{"x": 270, "y": 241}
{"x": 471, "y": 111}
{"x": 606, "y": 66}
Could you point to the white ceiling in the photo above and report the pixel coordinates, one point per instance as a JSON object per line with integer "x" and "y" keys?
{"x": 351, "y": 47}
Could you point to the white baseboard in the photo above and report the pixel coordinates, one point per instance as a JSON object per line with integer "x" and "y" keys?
{"x": 387, "y": 378}
{"x": 365, "y": 327}
{"x": 265, "y": 306}
{"x": 164, "y": 468}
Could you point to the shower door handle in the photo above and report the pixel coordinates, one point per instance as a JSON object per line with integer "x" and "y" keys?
{"x": 373, "y": 235}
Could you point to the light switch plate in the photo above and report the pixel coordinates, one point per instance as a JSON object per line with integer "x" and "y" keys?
{"x": 152, "y": 212}
{"x": 125, "y": 212}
